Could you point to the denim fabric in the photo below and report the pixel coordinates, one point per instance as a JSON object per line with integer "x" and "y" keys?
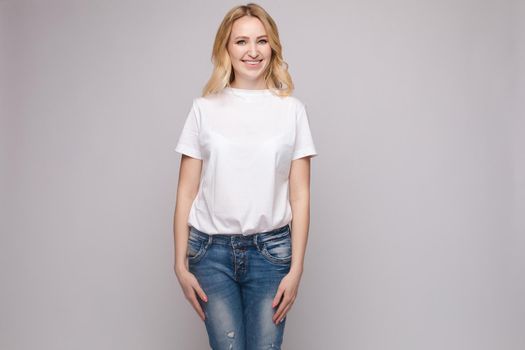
{"x": 240, "y": 275}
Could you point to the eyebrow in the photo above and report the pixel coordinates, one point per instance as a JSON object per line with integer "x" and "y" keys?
{"x": 242, "y": 36}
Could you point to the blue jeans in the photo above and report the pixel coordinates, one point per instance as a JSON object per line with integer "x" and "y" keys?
{"x": 240, "y": 275}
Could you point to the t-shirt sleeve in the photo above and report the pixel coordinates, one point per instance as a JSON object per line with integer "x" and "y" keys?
{"x": 304, "y": 143}
{"x": 189, "y": 137}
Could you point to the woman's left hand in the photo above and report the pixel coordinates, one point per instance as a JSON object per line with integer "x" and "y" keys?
{"x": 288, "y": 286}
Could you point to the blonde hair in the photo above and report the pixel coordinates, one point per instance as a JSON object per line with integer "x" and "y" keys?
{"x": 276, "y": 75}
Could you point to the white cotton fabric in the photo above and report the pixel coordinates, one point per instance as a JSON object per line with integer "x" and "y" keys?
{"x": 247, "y": 140}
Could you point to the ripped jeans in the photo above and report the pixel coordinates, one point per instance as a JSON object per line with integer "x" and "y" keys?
{"x": 240, "y": 275}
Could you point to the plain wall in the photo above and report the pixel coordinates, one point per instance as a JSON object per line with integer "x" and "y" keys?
{"x": 418, "y": 193}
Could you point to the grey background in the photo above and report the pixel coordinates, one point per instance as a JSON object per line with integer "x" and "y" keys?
{"x": 418, "y": 193}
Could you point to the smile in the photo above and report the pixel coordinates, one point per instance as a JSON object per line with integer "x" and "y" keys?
{"x": 252, "y": 63}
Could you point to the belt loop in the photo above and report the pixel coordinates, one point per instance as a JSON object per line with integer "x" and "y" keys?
{"x": 255, "y": 239}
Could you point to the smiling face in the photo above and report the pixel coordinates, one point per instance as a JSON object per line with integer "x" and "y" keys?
{"x": 250, "y": 53}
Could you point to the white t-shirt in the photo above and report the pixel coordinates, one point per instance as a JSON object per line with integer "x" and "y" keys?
{"x": 247, "y": 140}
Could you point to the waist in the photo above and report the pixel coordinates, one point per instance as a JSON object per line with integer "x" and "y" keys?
{"x": 223, "y": 238}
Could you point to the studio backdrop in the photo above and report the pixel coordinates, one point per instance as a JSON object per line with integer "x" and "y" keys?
{"x": 417, "y": 225}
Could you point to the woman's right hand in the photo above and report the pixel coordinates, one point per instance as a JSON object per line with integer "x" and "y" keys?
{"x": 191, "y": 288}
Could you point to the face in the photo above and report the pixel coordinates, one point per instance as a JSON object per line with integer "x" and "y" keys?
{"x": 250, "y": 53}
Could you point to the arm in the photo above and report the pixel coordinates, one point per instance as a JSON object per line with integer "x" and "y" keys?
{"x": 300, "y": 203}
{"x": 187, "y": 188}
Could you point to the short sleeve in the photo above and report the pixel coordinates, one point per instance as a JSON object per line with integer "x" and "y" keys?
{"x": 304, "y": 143}
{"x": 189, "y": 138}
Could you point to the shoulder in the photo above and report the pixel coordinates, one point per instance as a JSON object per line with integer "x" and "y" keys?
{"x": 297, "y": 106}
{"x": 292, "y": 103}
{"x": 210, "y": 101}
{"x": 200, "y": 104}
{"x": 294, "y": 100}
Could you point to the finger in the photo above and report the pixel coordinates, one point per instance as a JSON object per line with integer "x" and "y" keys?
{"x": 279, "y": 311}
{"x": 277, "y": 297}
{"x": 284, "y": 313}
{"x": 285, "y": 306}
{"x": 200, "y": 292}
{"x": 197, "y": 307}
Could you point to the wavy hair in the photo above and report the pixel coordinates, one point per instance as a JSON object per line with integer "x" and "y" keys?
{"x": 276, "y": 75}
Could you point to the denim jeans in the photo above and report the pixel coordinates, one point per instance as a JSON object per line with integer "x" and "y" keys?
{"x": 240, "y": 275}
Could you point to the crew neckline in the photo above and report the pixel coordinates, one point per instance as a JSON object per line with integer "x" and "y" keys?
{"x": 248, "y": 92}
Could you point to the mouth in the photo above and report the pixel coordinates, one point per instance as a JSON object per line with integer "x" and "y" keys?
{"x": 252, "y": 63}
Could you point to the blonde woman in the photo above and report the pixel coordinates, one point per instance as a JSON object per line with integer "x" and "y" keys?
{"x": 244, "y": 173}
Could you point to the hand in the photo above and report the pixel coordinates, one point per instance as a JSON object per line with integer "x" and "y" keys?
{"x": 288, "y": 286}
{"x": 191, "y": 287}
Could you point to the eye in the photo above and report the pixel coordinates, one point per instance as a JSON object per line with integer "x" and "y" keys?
{"x": 264, "y": 41}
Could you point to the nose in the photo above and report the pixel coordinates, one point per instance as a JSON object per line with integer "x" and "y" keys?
{"x": 252, "y": 51}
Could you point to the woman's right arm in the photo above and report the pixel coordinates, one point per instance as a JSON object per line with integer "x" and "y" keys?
{"x": 187, "y": 188}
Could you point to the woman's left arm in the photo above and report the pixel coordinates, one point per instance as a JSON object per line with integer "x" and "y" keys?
{"x": 300, "y": 203}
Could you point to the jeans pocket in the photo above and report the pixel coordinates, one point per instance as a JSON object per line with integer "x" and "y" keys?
{"x": 278, "y": 250}
{"x": 197, "y": 247}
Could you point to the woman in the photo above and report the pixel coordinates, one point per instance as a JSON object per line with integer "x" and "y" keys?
{"x": 237, "y": 259}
